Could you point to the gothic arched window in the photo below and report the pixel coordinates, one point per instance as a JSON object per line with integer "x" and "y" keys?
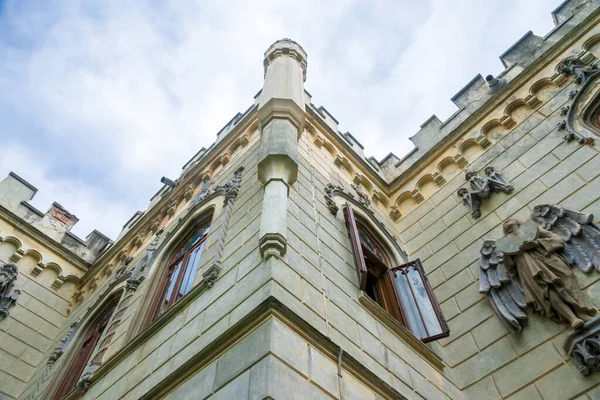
{"x": 85, "y": 348}
{"x": 181, "y": 270}
{"x": 403, "y": 291}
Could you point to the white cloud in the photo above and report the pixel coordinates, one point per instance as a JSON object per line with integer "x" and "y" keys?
{"x": 109, "y": 96}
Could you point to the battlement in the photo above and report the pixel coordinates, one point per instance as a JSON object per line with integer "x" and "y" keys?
{"x": 56, "y": 223}
{"x": 469, "y": 99}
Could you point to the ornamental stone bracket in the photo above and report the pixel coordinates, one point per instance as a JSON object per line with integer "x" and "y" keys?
{"x": 482, "y": 188}
{"x": 583, "y": 347}
{"x": 8, "y": 296}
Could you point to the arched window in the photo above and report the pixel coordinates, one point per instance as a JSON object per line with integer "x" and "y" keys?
{"x": 181, "y": 270}
{"x": 84, "y": 351}
{"x": 403, "y": 291}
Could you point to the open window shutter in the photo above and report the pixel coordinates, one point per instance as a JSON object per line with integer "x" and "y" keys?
{"x": 359, "y": 259}
{"x": 421, "y": 310}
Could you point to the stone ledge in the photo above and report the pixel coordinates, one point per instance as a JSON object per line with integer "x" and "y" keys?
{"x": 403, "y": 333}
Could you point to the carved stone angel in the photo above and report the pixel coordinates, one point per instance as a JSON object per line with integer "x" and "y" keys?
{"x": 529, "y": 267}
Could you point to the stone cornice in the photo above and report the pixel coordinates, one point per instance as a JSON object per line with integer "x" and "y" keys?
{"x": 271, "y": 307}
{"x": 547, "y": 58}
{"x": 44, "y": 239}
{"x": 388, "y": 188}
{"x": 207, "y": 159}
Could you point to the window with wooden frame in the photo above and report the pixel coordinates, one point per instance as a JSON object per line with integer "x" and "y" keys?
{"x": 403, "y": 291}
{"x": 85, "y": 349}
{"x": 181, "y": 270}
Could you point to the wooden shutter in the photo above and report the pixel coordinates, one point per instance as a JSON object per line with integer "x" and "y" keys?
{"x": 359, "y": 259}
{"x": 420, "y": 307}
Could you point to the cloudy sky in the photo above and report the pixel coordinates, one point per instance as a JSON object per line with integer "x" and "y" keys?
{"x": 100, "y": 98}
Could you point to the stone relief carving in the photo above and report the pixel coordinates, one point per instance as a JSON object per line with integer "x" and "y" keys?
{"x": 529, "y": 268}
{"x": 8, "y": 296}
{"x": 201, "y": 195}
{"x": 482, "y": 188}
{"x": 584, "y": 76}
{"x": 363, "y": 198}
{"x": 329, "y": 198}
{"x": 583, "y": 346}
{"x": 230, "y": 191}
{"x": 231, "y": 188}
{"x": 59, "y": 350}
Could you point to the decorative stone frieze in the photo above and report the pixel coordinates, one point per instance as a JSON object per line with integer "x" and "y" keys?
{"x": 583, "y": 347}
{"x": 363, "y": 198}
{"x": 482, "y": 188}
{"x": 8, "y": 296}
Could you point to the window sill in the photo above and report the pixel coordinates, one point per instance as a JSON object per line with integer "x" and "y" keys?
{"x": 402, "y": 332}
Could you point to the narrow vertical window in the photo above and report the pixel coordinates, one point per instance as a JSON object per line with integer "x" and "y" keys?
{"x": 403, "y": 291}
{"x": 85, "y": 350}
{"x": 181, "y": 270}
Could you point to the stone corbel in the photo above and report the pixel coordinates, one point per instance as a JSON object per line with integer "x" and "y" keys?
{"x": 483, "y": 141}
{"x": 58, "y": 282}
{"x": 507, "y": 121}
{"x": 460, "y": 160}
{"x": 395, "y": 214}
{"x": 417, "y": 196}
{"x": 37, "y": 270}
{"x": 583, "y": 347}
{"x": 16, "y": 256}
{"x": 438, "y": 179}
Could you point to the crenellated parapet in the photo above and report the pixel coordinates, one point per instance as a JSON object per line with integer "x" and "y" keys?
{"x": 55, "y": 224}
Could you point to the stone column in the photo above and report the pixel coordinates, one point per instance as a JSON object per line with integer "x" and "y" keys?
{"x": 281, "y": 113}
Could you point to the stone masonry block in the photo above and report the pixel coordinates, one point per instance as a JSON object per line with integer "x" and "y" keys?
{"x": 477, "y": 231}
{"x": 244, "y": 354}
{"x": 454, "y": 285}
{"x": 484, "y": 389}
{"x": 591, "y": 169}
{"x": 565, "y": 382}
{"x": 198, "y": 386}
{"x": 567, "y": 166}
{"x": 489, "y": 332}
{"x": 529, "y": 393}
{"x": 459, "y": 350}
{"x": 532, "y": 365}
{"x": 467, "y": 320}
{"x": 485, "y": 362}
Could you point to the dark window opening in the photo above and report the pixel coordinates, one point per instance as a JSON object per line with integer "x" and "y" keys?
{"x": 403, "y": 291}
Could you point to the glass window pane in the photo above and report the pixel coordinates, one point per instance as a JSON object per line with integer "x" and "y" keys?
{"x": 427, "y": 312}
{"x": 172, "y": 282}
{"x": 413, "y": 319}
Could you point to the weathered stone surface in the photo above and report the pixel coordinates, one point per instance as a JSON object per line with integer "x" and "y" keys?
{"x": 530, "y": 366}
{"x": 485, "y": 362}
{"x": 484, "y": 389}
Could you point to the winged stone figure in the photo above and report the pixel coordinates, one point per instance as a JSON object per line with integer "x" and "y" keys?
{"x": 529, "y": 267}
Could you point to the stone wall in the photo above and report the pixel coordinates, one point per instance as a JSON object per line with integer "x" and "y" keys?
{"x": 487, "y": 361}
{"x": 41, "y": 309}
